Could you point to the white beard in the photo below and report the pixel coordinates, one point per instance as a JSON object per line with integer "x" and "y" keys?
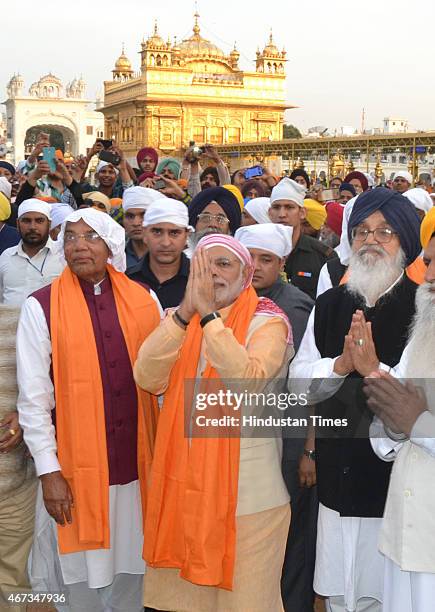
{"x": 421, "y": 351}
{"x": 371, "y": 275}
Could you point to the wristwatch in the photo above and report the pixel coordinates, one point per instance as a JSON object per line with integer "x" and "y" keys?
{"x": 209, "y": 317}
{"x": 310, "y": 454}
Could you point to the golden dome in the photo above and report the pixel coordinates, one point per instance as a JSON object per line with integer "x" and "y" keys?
{"x": 197, "y": 46}
{"x": 271, "y": 50}
{"x": 123, "y": 64}
{"x": 155, "y": 40}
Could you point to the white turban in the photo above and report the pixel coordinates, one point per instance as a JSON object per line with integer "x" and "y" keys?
{"x": 403, "y": 174}
{"x": 344, "y": 249}
{"x": 59, "y": 212}
{"x": 288, "y": 189}
{"x": 257, "y": 208}
{"x": 102, "y": 163}
{"x": 420, "y": 198}
{"x": 5, "y": 187}
{"x": 34, "y": 205}
{"x": 167, "y": 210}
{"x": 108, "y": 229}
{"x": 272, "y": 237}
{"x": 139, "y": 197}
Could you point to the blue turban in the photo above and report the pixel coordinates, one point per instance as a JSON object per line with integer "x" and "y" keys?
{"x": 347, "y": 187}
{"x": 7, "y": 166}
{"x": 398, "y": 211}
{"x": 226, "y": 200}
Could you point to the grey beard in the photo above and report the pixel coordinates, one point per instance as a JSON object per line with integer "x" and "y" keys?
{"x": 195, "y": 237}
{"x": 370, "y": 277}
{"x": 421, "y": 352}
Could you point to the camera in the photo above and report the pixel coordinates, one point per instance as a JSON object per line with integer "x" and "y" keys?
{"x": 195, "y": 152}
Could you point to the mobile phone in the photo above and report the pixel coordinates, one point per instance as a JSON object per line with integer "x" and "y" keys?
{"x": 253, "y": 172}
{"x": 330, "y": 194}
{"x": 106, "y": 143}
{"x": 110, "y": 157}
{"x": 159, "y": 184}
{"x": 49, "y": 156}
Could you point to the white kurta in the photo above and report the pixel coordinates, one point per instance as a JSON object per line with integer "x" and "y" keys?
{"x": 408, "y": 531}
{"x": 348, "y": 563}
{"x": 21, "y": 275}
{"x": 116, "y": 572}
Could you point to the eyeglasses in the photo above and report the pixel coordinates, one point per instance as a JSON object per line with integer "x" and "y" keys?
{"x": 208, "y": 218}
{"x": 382, "y": 235}
{"x": 90, "y": 237}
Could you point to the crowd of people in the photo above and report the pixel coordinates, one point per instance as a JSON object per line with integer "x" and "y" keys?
{"x": 124, "y": 293}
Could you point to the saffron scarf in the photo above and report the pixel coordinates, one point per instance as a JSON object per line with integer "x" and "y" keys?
{"x": 80, "y": 418}
{"x": 192, "y": 500}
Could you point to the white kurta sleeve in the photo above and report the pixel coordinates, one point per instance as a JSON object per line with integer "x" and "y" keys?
{"x": 384, "y": 447}
{"x": 324, "y": 281}
{"x": 36, "y": 392}
{"x": 308, "y": 365}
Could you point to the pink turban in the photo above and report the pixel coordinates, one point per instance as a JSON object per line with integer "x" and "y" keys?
{"x": 233, "y": 245}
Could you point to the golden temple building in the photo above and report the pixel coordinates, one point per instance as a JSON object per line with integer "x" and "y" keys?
{"x": 193, "y": 91}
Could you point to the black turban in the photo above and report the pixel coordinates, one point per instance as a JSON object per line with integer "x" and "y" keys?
{"x": 7, "y": 166}
{"x": 226, "y": 200}
{"x": 398, "y": 211}
{"x": 210, "y": 170}
{"x": 300, "y": 172}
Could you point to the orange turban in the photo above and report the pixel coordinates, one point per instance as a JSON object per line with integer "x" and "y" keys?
{"x": 59, "y": 154}
{"x": 427, "y": 228}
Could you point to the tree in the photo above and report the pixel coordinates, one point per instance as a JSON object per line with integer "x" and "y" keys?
{"x": 290, "y": 131}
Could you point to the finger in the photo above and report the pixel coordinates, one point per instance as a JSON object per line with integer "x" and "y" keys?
{"x": 55, "y": 511}
{"x": 393, "y": 382}
{"x": 66, "y": 509}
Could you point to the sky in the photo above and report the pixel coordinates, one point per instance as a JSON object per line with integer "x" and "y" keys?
{"x": 342, "y": 56}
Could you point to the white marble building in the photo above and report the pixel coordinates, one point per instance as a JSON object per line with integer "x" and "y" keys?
{"x": 49, "y": 106}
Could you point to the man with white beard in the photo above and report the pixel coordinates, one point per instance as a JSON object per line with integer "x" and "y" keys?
{"x": 354, "y": 329}
{"x": 405, "y": 433}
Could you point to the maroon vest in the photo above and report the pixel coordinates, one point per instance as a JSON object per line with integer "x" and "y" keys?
{"x": 119, "y": 389}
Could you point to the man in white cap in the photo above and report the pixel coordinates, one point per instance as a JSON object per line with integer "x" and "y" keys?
{"x": 402, "y": 181}
{"x": 421, "y": 199}
{"x": 32, "y": 263}
{"x": 135, "y": 201}
{"x": 165, "y": 268}
{"x": 308, "y": 254}
{"x": 59, "y": 212}
{"x": 256, "y": 211}
{"x": 76, "y": 341}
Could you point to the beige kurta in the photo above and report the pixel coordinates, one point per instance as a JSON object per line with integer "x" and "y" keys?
{"x": 262, "y": 509}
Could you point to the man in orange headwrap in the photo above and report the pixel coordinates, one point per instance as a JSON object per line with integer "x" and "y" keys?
{"x": 77, "y": 341}
{"x": 218, "y": 511}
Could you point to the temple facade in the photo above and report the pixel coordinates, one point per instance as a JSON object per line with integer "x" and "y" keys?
{"x": 192, "y": 91}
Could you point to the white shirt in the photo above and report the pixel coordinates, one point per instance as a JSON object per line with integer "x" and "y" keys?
{"x": 408, "y": 528}
{"x": 36, "y": 392}
{"x": 21, "y": 275}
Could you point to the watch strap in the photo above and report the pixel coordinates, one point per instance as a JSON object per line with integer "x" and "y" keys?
{"x": 209, "y": 317}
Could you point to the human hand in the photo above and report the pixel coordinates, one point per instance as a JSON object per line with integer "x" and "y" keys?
{"x": 397, "y": 405}
{"x": 172, "y": 189}
{"x": 203, "y": 293}
{"x": 96, "y": 148}
{"x": 210, "y": 151}
{"x": 344, "y": 364}
{"x": 362, "y": 348}
{"x": 307, "y": 472}
{"x": 42, "y": 140}
{"x": 58, "y": 498}
{"x": 42, "y": 168}
{"x": 78, "y": 168}
{"x": 13, "y": 435}
{"x": 186, "y": 309}
{"x": 148, "y": 182}
{"x": 62, "y": 171}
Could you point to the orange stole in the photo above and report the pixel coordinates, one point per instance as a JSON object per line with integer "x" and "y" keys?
{"x": 80, "y": 420}
{"x": 192, "y": 500}
{"x": 414, "y": 272}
